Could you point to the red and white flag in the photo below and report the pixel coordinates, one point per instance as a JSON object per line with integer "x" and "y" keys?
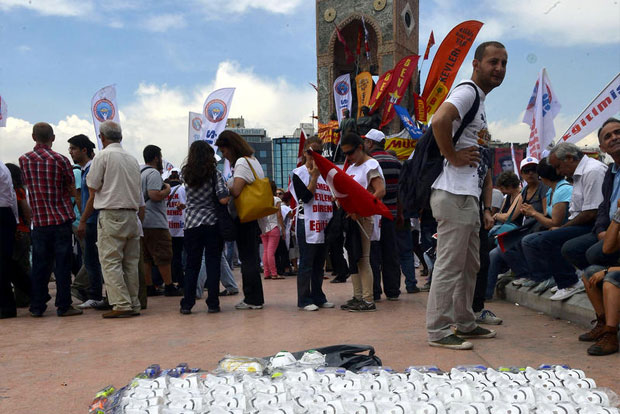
{"x": 366, "y": 44}
{"x": 431, "y": 42}
{"x": 541, "y": 109}
{"x": 300, "y": 151}
{"x": 104, "y": 108}
{"x": 3, "y": 112}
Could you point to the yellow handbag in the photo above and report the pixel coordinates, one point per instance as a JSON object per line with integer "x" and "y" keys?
{"x": 256, "y": 199}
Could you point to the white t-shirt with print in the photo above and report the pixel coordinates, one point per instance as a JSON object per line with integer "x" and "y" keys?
{"x": 176, "y": 217}
{"x": 364, "y": 174}
{"x": 467, "y": 180}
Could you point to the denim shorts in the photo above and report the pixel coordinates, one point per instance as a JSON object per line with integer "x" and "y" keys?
{"x": 611, "y": 277}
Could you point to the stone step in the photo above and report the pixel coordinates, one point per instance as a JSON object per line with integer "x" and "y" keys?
{"x": 576, "y": 309}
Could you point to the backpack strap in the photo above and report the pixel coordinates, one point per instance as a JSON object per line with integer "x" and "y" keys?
{"x": 470, "y": 115}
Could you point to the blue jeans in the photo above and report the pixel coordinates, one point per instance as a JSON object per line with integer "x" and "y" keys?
{"x": 497, "y": 265}
{"x": 515, "y": 258}
{"x": 226, "y": 276}
{"x": 587, "y": 250}
{"x": 404, "y": 237}
{"x": 543, "y": 252}
{"x": 310, "y": 275}
{"x": 202, "y": 240}
{"x": 91, "y": 262}
{"x": 51, "y": 248}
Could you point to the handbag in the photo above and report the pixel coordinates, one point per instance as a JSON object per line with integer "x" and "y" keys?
{"x": 225, "y": 224}
{"x": 503, "y": 228}
{"x": 255, "y": 200}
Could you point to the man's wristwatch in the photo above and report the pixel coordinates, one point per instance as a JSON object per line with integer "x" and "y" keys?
{"x": 487, "y": 209}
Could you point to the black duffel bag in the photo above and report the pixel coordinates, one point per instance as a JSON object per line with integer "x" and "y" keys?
{"x": 351, "y": 357}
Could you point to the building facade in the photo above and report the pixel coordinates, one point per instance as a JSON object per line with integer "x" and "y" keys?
{"x": 284, "y": 159}
{"x": 258, "y": 140}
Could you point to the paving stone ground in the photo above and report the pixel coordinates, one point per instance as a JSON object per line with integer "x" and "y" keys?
{"x": 57, "y": 365}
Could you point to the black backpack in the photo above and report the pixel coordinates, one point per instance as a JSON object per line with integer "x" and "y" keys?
{"x": 420, "y": 172}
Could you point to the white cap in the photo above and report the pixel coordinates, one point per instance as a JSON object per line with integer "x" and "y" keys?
{"x": 375, "y": 135}
{"x": 528, "y": 161}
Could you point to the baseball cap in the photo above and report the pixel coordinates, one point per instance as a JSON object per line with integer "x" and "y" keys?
{"x": 374, "y": 135}
{"x": 528, "y": 161}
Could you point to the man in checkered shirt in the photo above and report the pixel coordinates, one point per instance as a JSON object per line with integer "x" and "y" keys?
{"x": 51, "y": 184}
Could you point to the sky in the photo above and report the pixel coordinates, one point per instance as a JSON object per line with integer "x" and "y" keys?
{"x": 166, "y": 56}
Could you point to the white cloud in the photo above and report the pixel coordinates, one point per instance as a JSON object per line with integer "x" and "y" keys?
{"x": 243, "y": 6}
{"x": 24, "y": 48}
{"x": 164, "y": 22}
{"x": 51, "y": 7}
{"x": 159, "y": 114}
{"x": 552, "y": 22}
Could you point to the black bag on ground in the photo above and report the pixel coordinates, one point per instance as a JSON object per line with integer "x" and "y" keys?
{"x": 420, "y": 172}
{"x": 350, "y": 357}
{"x": 225, "y": 223}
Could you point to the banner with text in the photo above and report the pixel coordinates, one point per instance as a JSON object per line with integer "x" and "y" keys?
{"x": 363, "y": 82}
{"x": 104, "y": 108}
{"x": 342, "y": 95}
{"x": 405, "y": 118}
{"x": 401, "y": 144}
{"x": 541, "y": 109}
{"x": 194, "y": 127}
{"x": 395, "y": 92}
{"x": 604, "y": 106}
{"x": 3, "y": 112}
{"x": 447, "y": 62}
{"x": 215, "y": 111}
{"x": 378, "y": 95}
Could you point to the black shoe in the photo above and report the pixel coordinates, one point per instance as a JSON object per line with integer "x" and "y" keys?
{"x": 337, "y": 279}
{"x": 36, "y": 314}
{"x": 478, "y": 332}
{"x": 363, "y": 306}
{"x": 414, "y": 289}
{"x": 227, "y": 292}
{"x": 105, "y": 306}
{"x": 185, "y": 311}
{"x": 172, "y": 290}
{"x": 8, "y": 314}
{"x": 349, "y": 303}
{"x": 376, "y": 298}
{"x": 70, "y": 312}
{"x": 426, "y": 287}
{"x": 153, "y": 291}
{"x": 214, "y": 310}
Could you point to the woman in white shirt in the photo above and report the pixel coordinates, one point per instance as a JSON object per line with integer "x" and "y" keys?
{"x": 367, "y": 172}
{"x": 240, "y": 155}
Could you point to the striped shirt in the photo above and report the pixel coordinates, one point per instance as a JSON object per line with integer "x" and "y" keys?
{"x": 49, "y": 178}
{"x": 391, "y": 173}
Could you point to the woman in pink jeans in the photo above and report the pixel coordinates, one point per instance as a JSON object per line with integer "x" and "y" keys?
{"x": 271, "y": 231}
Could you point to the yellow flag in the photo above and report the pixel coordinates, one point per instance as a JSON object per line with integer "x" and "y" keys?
{"x": 435, "y": 98}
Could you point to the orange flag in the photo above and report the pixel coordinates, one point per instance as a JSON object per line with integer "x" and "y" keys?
{"x": 447, "y": 62}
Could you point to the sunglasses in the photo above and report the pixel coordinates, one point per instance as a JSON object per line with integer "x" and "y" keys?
{"x": 528, "y": 170}
{"x": 347, "y": 153}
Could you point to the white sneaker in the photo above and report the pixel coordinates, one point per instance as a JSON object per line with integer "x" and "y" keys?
{"x": 311, "y": 307}
{"x": 554, "y": 289}
{"x": 566, "y": 293}
{"x": 327, "y": 305}
{"x": 487, "y": 317}
{"x": 519, "y": 282}
{"x": 91, "y": 303}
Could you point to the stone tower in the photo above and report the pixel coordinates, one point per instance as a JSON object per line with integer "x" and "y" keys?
{"x": 392, "y": 27}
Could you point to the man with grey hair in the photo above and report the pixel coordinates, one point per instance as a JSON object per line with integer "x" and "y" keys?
{"x": 114, "y": 186}
{"x": 543, "y": 250}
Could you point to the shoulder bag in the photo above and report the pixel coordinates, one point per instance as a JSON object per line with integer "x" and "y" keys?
{"x": 256, "y": 199}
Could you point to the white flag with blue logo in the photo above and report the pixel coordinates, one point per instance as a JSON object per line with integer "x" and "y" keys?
{"x": 215, "y": 112}
{"x": 3, "y": 112}
{"x": 194, "y": 127}
{"x": 541, "y": 109}
{"x": 342, "y": 95}
{"x": 104, "y": 108}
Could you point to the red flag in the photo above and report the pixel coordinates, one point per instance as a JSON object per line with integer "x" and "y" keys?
{"x": 347, "y": 52}
{"x": 350, "y": 195}
{"x": 446, "y": 63}
{"x": 431, "y": 42}
{"x": 300, "y": 152}
{"x": 378, "y": 95}
{"x": 366, "y": 45}
{"x": 402, "y": 75}
{"x": 360, "y": 36}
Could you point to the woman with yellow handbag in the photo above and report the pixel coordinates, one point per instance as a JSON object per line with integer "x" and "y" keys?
{"x": 250, "y": 203}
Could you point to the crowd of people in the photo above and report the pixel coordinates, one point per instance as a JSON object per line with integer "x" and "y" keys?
{"x": 137, "y": 234}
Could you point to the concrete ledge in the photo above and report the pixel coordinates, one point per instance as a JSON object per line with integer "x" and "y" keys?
{"x": 576, "y": 309}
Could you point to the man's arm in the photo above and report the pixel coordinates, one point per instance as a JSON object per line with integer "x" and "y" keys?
{"x": 442, "y": 129}
{"x": 487, "y": 199}
{"x": 584, "y": 218}
{"x": 88, "y": 211}
{"x": 160, "y": 192}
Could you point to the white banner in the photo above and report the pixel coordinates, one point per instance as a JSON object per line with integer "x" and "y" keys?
{"x": 167, "y": 168}
{"x": 215, "y": 111}
{"x": 194, "y": 127}
{"x": 3, "y": 112}
{"x": 603, "y": 107}
{"x": 104, "y": 108}
{"x": 342, "y": 95}
{"x": 541, "y": 109}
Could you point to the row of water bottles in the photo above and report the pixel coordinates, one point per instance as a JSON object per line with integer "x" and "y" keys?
{"x": 285, "y": 385}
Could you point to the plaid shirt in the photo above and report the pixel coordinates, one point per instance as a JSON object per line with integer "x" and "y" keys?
{"x": 49, "y": 177}
{"x": 201, "y": 203}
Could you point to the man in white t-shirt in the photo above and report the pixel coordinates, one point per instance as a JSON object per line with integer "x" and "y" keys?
{"x": 175, "y": 210}
{"x": 455, "y": 203}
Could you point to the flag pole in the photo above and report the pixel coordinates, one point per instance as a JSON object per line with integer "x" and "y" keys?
{"x": 362, "y": 228}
